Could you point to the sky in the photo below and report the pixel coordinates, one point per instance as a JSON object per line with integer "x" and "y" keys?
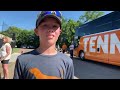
{"x": 27, "y": 19}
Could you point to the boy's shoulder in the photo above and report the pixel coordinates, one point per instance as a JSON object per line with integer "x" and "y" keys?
{"x": 33, "y": 52}
{"x": 28, "y": 54}
{"x": 65, "y": 57}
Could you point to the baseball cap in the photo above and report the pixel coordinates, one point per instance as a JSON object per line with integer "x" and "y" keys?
{"x": 55, "y": 14}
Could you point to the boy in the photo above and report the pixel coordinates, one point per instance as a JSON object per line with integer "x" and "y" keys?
{"x": 45, "y": 62}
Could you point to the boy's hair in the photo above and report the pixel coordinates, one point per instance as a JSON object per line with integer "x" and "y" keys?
{"x": 54, "y": 14}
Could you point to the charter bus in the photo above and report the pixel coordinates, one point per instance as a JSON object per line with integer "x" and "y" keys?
{"x": 99, "y": 40}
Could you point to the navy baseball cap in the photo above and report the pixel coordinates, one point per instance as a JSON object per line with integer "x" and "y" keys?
{"x": 55, "y": 14}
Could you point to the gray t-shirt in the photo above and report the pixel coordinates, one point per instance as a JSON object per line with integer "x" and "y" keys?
{"x": 33, "y": 65}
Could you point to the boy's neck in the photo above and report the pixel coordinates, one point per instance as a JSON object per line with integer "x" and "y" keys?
{"x": 45, "y": 50}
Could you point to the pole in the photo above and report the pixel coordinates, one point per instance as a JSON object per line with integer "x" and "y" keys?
{"x": 2, "y": 26}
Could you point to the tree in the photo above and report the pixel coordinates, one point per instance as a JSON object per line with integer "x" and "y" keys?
{"x": 90, "y": 15}
{"x": 11, "y": 30}
{"x": 68, "y": 31}
{"x": 22, "y": 37}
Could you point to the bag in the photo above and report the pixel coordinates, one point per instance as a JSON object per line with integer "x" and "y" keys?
{"x": 2, "y": 55}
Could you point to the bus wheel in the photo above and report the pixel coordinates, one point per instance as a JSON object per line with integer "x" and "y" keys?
{"x": 82, "y": 55}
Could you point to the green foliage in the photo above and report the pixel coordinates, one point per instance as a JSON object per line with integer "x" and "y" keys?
{"x": 16, "y": 50}
{"x": 68, "y": 31}
{"x": 22, "y": 37}
{"x": 28, "y": 38}
{"x": 69, "y": 26}
{"x": 90, "y": 15}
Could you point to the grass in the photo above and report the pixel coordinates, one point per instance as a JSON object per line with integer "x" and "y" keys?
{"x": 16, "y": 50}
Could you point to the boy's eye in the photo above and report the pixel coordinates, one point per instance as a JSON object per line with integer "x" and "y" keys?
{"x": 55, "y": 26}
{"x": 45, "y": 25}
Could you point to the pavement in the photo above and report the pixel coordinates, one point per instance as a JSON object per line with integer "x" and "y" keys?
{"x": 14, "y": 57}
{"x": 12, "y": 65}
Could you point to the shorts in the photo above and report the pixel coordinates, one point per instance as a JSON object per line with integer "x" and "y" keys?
{"x": 5, "y": 61}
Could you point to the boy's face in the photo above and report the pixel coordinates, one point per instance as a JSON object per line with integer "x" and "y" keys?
{"x": 48, "y": 31}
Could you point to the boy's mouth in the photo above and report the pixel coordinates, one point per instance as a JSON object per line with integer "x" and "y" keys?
{"x": 50, "y": 36}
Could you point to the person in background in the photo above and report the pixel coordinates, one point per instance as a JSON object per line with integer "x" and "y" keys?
{"x": 64, "y": 48}
{"x": 71, "y": 48}
{"x": 45, "y": 62}
{"x": 7, "y": 49}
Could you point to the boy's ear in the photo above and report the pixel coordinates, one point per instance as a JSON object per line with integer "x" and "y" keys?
{"x": 36, "y": 31}
{"x": 60, "y": 30}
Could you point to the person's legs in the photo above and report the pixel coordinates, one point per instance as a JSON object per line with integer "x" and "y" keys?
{"x": 5, "y": 68}
{"x": 72, "y": 53}
{"x": 63, "y": 51}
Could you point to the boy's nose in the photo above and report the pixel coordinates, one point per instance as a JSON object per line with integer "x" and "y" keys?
{"x": 50, "y": 30}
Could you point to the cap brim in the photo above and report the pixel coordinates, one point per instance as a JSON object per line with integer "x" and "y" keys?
{"x": 53, "y": 16}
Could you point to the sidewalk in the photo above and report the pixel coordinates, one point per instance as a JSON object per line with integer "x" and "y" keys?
{"x": 14, "y": 57}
